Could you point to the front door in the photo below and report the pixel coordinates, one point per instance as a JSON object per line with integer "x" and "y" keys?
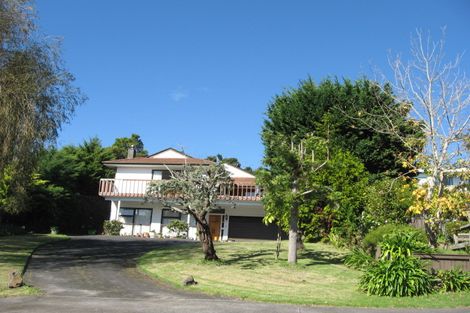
{"x": 214, "y": 225}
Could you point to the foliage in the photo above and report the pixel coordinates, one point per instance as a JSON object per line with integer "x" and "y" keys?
{"x": 376, "y": 236}
{"x": 387, "y": 201}
{"x": 438, "y": 207}
{"x": 344, "y": 181}
{"x": 453, "y": 280}
{"x": 397, "y": 277}
{"x": 178, "y": 227}
{"x": 332, "y": 109}
{"x": 112, "y": 228}
{"x": 359, "y": 259}
{"x": 37, "y": 96}
{"x": 324, "y": 112}
{"x": 221, "y": 159}
{"x": 64, "y": 191}
{"x": 402, "y": 244}
{"x": 193, "y": 190}
{"x": 398, "y": 273}
{"x": 121, "y": 146}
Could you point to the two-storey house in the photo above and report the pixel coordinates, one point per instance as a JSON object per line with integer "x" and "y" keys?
{"x": 239, "y": 211}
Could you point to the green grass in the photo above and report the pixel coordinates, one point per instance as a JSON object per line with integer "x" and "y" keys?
{"x": 14, "y": 252}
{"x": 249, "y": 271}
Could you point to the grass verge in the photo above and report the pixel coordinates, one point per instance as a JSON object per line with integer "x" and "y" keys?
{"x": 14, "y": 254}
{"x": 249, "y": 271}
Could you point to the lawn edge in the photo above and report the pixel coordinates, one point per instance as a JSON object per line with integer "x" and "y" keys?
{"x": 38, "y": 292}
{"x": 168, "y": 283}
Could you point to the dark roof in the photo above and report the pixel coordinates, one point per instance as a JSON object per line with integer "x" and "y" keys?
{"x": 159, "y": 161}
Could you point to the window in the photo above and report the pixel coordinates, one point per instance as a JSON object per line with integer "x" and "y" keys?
{"x": 169, "y": 215}
{"x": 448, "y": 181}
{"x": 156, "y": 175}
{"x": 136, "y": 216}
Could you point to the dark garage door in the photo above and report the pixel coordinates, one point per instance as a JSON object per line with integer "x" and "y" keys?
{"x": 250, "y": 228}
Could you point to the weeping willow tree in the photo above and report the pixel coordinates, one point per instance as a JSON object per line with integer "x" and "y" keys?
{"x": 36, "y": 98}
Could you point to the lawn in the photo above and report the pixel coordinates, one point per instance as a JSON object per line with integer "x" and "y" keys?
{"x": 14, "y": 252}
{"x": 249, "y": 271}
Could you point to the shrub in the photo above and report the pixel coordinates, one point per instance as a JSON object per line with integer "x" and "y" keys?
{"x": 375, "y": 237}
{"x": 112, "y": 228}
{"x": 453, "y": 280}
{"x": 178, "y": 227}
{"x": 398, "y": 273}
{"x": 359, "y": 259}
{"x": 397, "y": 278}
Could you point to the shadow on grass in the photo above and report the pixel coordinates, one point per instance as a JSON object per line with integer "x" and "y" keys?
{"x": 322, "y": 257}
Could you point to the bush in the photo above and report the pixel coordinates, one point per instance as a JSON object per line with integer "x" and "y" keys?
{"x": 376, "y": 236}
{"x": 397, "y": 278}
{"x": 178, "y": 227}
{"x": 398, "y": 273}
{"x": 453, "y": 280}
{"x": 112, "y": 228}
{"x": 358, "y": 259}
{"x": 387, "y": 201}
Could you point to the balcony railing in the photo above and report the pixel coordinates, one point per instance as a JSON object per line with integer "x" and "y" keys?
{"x": 136, "y": 188}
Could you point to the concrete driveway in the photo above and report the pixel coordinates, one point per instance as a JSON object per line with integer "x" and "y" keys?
{"x": 97, "y": 274}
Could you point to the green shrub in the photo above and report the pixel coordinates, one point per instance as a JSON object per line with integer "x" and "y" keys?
{"x": 358, "y": 259}
{"x": 178, "y": 227}
{"x": 112, "y": 228}
{"x": 397, "y": 278}
{"x": 453, "y": 280}
{"x": 402, "y": 244}
{"x": 398, "y": 273}
{"x": 375, "y": 237}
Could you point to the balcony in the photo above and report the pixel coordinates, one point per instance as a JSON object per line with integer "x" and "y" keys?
{"x": 136, "y": 188}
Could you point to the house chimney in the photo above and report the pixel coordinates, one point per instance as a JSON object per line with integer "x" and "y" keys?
{"x": 131, "y": 152}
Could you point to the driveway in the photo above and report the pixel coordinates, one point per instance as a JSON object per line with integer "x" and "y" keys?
{"x": 97, "y": 274}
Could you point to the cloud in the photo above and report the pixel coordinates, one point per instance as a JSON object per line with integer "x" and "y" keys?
{"x": 179, "y": 94}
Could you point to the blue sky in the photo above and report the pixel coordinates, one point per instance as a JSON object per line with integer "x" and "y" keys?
{"x": 199, "y": 75}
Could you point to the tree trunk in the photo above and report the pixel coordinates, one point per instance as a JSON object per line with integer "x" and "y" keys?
{"x": 293, "y": 233}
{"x": 205, "y": 237}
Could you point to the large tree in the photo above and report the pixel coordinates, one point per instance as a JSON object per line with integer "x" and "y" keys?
{"x": 328, "y": 108}
{"x": 121, "y": 146}
{"x": 36, "y": 95}
{"x": 435, "y": 91}
{"x": 194, "y": 191}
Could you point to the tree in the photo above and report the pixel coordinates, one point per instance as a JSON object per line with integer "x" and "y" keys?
{"x": 36, "y": 95}
{"x": 328, "y": 107}
{"x": 435, "y": 93}
{"x": 194, "y": 191}
{"x": 121, "y": 146}
{"x": 287, "y": 184}
{"x": 221, "y": 159}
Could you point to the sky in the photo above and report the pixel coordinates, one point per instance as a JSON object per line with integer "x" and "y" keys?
{"x": 199, "y": 75}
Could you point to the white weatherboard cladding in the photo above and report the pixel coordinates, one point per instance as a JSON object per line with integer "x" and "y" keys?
{"x": 134, "y": 173}
{"x": 169, "y": 154}
{"x": 236, "y": 172}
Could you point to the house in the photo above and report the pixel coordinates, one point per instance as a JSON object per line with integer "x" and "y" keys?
{"x": 239, "y": 211}
{"x": 452, "y": 178}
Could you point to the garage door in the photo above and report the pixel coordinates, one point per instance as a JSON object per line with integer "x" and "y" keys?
{"x": 250, "y": 228}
